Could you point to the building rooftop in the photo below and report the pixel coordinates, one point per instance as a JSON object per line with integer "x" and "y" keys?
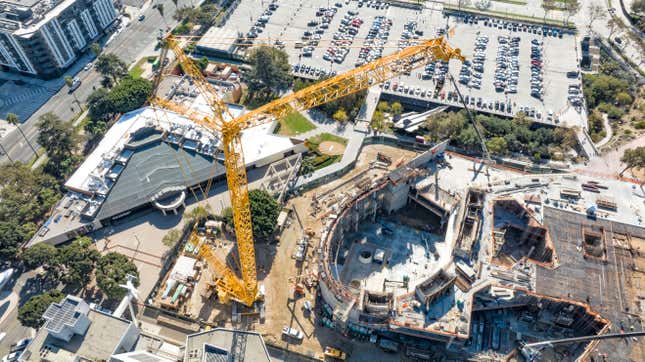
{"x": 219, "y": 39}
{"x": 226, "y": 345}
{"x": 26, "y": 16}
{"x": 102, "y": 338}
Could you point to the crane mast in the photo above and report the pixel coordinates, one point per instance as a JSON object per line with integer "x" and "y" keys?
{"x": 245, "y": 290}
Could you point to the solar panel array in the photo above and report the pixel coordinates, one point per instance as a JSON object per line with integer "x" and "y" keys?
{"x": 58, "y": 316}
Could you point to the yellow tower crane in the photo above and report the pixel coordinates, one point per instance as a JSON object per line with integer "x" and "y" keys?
{"x": 228, "y": 284}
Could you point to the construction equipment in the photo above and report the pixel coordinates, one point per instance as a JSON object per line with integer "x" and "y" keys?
{"x": 335, "y": 353}
{"x": 245, "y": 290}
{"x": 531, "y": 351}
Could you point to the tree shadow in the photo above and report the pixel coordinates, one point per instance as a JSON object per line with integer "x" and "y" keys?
{"x": 36, "y": 285}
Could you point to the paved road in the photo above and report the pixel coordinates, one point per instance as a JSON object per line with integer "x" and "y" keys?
{"x": 21, "y": 289}
{"x": 138, "y": 37}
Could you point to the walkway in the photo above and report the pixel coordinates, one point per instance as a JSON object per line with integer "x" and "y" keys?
{"x": 354, "y": 133}
{"x": 608, "y": 130}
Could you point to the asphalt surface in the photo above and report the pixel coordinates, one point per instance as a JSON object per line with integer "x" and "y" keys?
{"x": 128, "y": 44}
{"x": 17, "y": 291}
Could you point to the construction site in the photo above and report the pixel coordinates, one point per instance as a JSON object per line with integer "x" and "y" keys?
{"x": 402, "y": 246}
{"x": 411, "y": 248}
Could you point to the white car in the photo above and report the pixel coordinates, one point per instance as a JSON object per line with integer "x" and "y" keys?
{"x": 88, "y": 66}
{"x": 292, "y": 332}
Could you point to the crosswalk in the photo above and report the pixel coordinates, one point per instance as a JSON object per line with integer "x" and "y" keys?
{"x": 26, "y": 102}
{"x": 8, "y": 100}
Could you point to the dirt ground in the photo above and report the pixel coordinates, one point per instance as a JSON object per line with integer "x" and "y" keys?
{"x": 331, "y": 148}
{"x": 276, "y": 268}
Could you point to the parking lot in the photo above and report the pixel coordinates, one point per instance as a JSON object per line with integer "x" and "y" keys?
{"x": 325, "y": 38}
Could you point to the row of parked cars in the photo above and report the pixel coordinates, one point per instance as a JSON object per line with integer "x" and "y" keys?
{"x": 373, "y": 4}
{"x": 315, "y": 29}
{"x": 536, "y": 69}
{"x": 376, "y": 38}
{"x": 410, "y": 35}
{"x": 312, "y": 72}
{"x": 343, "y": 37}
{"x": 262, "y": 21}
{"x": 512, "y": 25}
{"x": 471, "y": 73}
{"x": 450, "y": 96}
{"x": 575, "y": 95}
{"x": 507, "y": 70}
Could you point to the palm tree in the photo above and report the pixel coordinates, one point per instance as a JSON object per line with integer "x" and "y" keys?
{"x": 96, "y": 49}
{"x": 70, "y": 82}
{"x": 12, "y": 119}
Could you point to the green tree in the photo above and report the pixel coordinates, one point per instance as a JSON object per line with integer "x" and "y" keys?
{"x": 31, "y": 313}
{"x": 78, "y": 260}
{"x": 264, "y": 213}
{"x": 202, "y": 63}
{"x": 204, "y": 15}
{"x": 270, "y": 69}
{"x": 624, "y": 98}
{"x": 306, "y": 167}
{"x": 96, "y": 49}
{"x": 100, "y": 110}
{"x": 26, "y": 194}
{"x": 59, "y": 140}
{"x": 171, "y": 238}
{"x": 340, "y": 116}
{"x": 129, "y": 94}
{"x": 12, "y": 119}
{"x": 396, "y": 108}
{"x": 497, "y": 145}
{"x": 41, "y": 254}
{"x": 10, "y": 239}
{"x": 383, "y": 107}
{"x": 112, "y": 270}
{"x": 111, "y": 67}
{"x": 378, "y": 121}
{"x": 197, "y": 214}
{"x": 633, "y": 158}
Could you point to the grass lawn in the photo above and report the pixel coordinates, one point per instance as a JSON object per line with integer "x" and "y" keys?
{"x": 295, "y": 123}
{"x": 318, "y": 159}
{"x": 318, "y": 139}
{"x": 137, "y": 70}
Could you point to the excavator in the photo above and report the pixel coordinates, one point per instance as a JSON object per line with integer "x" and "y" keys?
{"x": 244, "y": 289}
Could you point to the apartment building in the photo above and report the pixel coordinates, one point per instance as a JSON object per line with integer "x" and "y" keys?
{"x": 42, "y": 38}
